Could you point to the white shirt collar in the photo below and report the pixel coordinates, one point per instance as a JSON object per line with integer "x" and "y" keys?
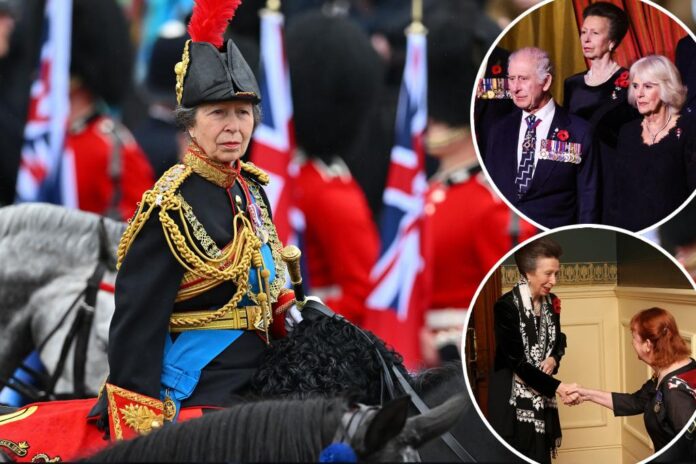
{"x": 544, "y": 113}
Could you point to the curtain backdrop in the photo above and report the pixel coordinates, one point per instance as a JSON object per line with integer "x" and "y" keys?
{"x": 555, "y": 28}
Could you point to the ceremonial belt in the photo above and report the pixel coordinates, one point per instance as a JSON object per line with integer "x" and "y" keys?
{"x": 244, "y": 318}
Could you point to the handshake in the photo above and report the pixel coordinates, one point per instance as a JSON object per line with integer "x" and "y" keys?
{"x": 572, "y": 394}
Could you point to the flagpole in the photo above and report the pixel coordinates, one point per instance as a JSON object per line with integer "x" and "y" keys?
{"x": 416, "y": 26}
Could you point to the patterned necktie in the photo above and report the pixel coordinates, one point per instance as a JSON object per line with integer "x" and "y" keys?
{"x": 525, "y": 170}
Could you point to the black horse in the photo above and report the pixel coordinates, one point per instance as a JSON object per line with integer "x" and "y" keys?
{"x": 327, "y": 356}
{"x": 307, "y": 430}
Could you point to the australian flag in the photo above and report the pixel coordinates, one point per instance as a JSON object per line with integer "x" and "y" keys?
{"x": 396, "y": 305}
{"x": 274, "y": 139}
{"x": 44, "y": 173}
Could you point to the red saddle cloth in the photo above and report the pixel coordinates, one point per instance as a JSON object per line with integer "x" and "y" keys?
{"x": 56, "y": 430}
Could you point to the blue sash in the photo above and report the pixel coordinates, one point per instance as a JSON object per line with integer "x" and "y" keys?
{"x": 185, "y": 358}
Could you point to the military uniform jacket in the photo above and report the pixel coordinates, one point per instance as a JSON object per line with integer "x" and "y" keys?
{"x": 149, "y": 288}
{"x": 340, "y": 237}
{"x": 464, "y": 245}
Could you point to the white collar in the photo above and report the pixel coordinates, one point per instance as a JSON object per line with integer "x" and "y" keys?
{"x": 544, "y": 112}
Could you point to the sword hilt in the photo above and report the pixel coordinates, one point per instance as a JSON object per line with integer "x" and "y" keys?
{"x": 291, "y": 255}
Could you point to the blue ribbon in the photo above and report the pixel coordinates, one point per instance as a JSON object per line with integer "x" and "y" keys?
{"x": 186, "y": 357}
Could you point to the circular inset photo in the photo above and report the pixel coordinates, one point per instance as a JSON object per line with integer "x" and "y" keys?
{"x": 583, "y": 114}
{"x": 579, "y": 348}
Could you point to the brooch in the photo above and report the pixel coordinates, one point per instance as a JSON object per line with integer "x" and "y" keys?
{"x": 621, "y": 82}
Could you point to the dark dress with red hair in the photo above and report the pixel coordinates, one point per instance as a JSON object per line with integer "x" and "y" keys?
{"x": 606, "y": 108}
{"x": 666, "y": 408}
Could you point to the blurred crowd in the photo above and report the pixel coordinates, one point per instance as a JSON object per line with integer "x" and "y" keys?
{"x": 345, "y": 97}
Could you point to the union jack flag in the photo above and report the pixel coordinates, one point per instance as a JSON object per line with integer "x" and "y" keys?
{"x": 274, "y": 139}
{"x": 44, "y": 174}
{"x": 397, "y": 302}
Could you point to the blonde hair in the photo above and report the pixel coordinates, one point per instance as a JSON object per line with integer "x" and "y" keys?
{"x": 659, "y": 69}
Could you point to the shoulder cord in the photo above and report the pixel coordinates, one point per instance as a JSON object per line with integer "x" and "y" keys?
{"x": 248, "y": 248}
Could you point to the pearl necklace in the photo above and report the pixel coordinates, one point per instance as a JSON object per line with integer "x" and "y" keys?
{"x": 654, "y": 136}
{"x": 612, "y": 69}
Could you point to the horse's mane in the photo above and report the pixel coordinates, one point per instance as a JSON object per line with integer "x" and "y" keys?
{"x": 272, "y": 430}
{"x": 429, "y": 379}
{"x": 41, "y": 241}
{"x": 327, "y": 357}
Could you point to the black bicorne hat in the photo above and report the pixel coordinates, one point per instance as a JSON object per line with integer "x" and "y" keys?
{"x": 208, "y": 73}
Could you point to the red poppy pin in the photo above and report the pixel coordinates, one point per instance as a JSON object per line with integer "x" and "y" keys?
{"x": 563, "y": 135}
{"x": 622, "y": 80}
{"x": 556, "y": 305}
{"x": 496, "y": 69}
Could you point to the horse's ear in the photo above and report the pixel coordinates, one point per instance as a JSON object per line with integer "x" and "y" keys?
{"x": 423, "y": 428}
{"x": 387, "y": 424}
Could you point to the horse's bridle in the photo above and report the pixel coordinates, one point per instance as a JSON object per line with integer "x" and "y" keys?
{"x": 388, "y": 381}
{"x": 354, "y": 426}
{"x": 78, "y": 335}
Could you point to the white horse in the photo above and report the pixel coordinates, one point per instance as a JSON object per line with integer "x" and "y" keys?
{"x": 47, "y": 255}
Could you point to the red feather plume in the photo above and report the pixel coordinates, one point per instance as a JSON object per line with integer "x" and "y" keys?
{"x": 210, "y": 18}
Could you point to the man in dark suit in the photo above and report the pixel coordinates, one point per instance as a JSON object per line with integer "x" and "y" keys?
{"x": 539, "y": 157}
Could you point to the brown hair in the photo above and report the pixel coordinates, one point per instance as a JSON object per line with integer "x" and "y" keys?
{"x": 618, "y": 19}
{"x": 658, "y": 326}
{"x": 526, "y": 257}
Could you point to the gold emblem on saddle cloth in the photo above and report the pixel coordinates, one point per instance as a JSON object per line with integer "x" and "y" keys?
{"x": 20, "y": 449}
{"x": 43, "y": 457}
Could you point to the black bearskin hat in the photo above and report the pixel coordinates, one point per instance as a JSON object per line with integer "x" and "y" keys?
{"x": 210, "y": 70}
{"x": 160, "y": 81}
{"x": 459, "y": 35}
{"x": 335, "y": 76}
{"x": 451, "y": 72}
{"x": 101, "y": 52}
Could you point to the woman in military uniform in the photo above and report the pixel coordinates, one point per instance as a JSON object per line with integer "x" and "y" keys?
{"x": 200, "y": 276}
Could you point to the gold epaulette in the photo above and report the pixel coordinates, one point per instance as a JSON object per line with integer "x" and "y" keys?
{"x": 163, "y": 194}
{"x": 256, "y": 173}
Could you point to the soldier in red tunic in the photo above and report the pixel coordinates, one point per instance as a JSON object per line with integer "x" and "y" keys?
{"x": 111, "y": 171}
{"x": 339, "y": 240}
{"x": 468, "y": 227}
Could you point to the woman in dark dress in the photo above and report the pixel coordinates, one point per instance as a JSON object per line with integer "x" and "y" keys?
{"x": 529, "y": 346}
{"x": 656, "y": 155}
{"x": 599, "y": 95}
{"x": 668, "y": 400}
{"x": 200, "y": 286}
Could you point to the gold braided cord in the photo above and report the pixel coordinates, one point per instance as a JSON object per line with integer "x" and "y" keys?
{"x": 245, "y": 249}
{"x": 162, "y": 194}
{"x": 257, "y": 173}
{"x": 199, "y": 267}
{"x": 238, "y": 272}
